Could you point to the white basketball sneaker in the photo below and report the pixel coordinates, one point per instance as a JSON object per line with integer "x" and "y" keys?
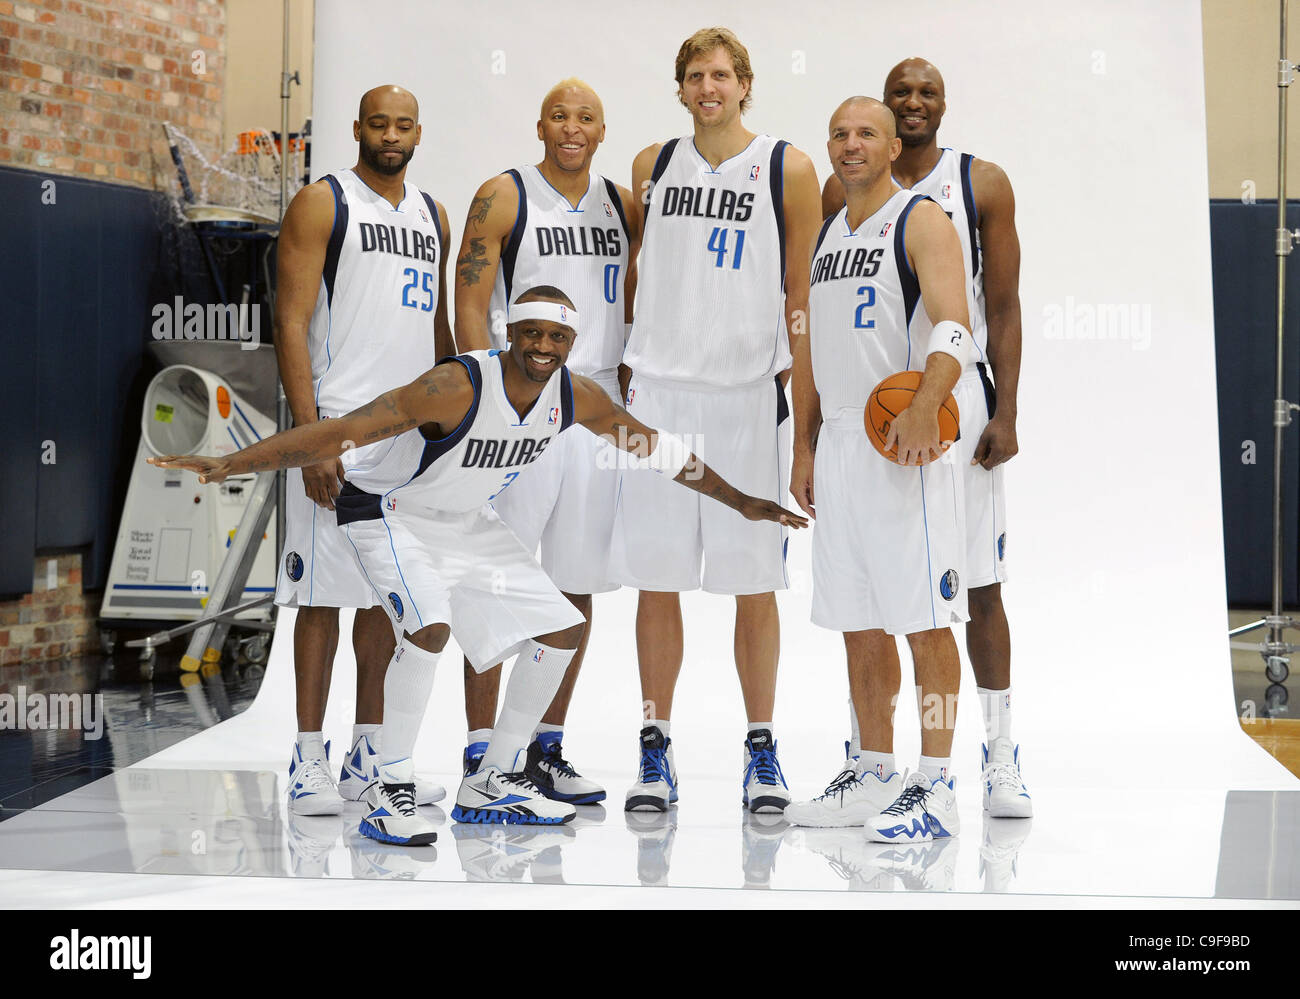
{"x": 358, "y": 772}
{"x": 925, "y": 810}
{"x": 393, "y": 817}
{"x": 854, "y": 796}
{"x": 1005, "y": 796}
{"x": 311, "y": 791}
{"x": 764, "y": 786}
{"x": 656, "y": 785}
{"x": 555, "y": 776}
{"x": 492, "y": 796}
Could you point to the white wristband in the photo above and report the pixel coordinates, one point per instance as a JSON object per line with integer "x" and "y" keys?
{"x": 669, "y": 456}
{"x": 952, "y": 339}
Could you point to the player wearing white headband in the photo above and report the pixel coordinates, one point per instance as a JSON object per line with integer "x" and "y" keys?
{"x": 557, "y": 223}
{"x": 888, "y": 293}
{"x": 435, "y": 551}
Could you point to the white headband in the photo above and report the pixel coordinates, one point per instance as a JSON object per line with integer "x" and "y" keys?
{"x": 555, "y": 312}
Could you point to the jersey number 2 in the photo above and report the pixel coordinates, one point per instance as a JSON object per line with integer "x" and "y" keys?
{"x": 415, "y": 285}
{"x": 860, "y": 322}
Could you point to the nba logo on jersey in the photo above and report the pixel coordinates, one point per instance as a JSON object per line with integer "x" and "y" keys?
{"x": 554, "y": 416}
{"x": 945, "y": 192}
{"x": 391, "y": 503}
{"x": 609, "y": 211}
{"x": 423, "y": 215}
{"x": 631, "y": 394}
{"x": 537, "y": 656}
{"x": 884, "y": 229}
{"x": 753, "y": 172}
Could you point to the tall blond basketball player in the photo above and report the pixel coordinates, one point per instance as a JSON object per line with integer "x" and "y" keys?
{"x": 554, "y": 223}
{"x": 978, "y": 198}
{"x": 729, "y": 221}
{"x": 888, "y": 294}
{"x": 361, "y": 303}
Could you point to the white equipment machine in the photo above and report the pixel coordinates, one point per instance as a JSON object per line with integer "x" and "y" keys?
{"x": 175, "y": 534}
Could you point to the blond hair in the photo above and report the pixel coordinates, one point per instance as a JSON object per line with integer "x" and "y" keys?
{"x": 705, "y": 41}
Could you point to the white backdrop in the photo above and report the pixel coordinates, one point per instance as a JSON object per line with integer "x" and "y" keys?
{"x": 1116, "y": 598}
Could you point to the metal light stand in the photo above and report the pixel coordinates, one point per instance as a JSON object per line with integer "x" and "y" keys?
{"x": 282, "y": 420}
{"x": 1275, "y": 651}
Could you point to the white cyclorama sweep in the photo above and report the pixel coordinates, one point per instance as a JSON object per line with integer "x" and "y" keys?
{"x": 1116, "y": 598}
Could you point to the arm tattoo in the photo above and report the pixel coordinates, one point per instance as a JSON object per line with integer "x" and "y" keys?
{"x": 472, "y": 263}
{"x": 478, "y": 210}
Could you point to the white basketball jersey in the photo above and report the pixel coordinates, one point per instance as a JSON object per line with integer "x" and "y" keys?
{"x": 372, "y": 329}
{"x": 867, "y": 320}
{"x": 472, "y": 464}
{"x": 710, "y": 298}
{"x": 949, "y": 184}
{"x": 582, "y": 251}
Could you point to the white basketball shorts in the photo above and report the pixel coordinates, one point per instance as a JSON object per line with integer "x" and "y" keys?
{"x": 662, "y": 530}
{"x": 319, "y": 567}
{"x": 986, "y": 508}
{"x": 888, "y": 546}
{"x": 466, "y": 570}
{"x": 564, "y": 501}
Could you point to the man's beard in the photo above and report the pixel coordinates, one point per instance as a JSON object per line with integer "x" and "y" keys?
{"x": 375, "y": 159}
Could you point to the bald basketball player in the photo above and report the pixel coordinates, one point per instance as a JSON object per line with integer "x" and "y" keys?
{"x": 978, "y": 198}
{"x": 888, "y": 294}
{"x": 553, "y": 223}
{"x": 360, "y": 304}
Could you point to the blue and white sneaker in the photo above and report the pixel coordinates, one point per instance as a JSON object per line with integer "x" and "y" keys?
{"x": 855, "y": 795}
{"x": 492, "y": 796}
{"x": 311, "y": 791}
{"x": 359, "y": 771}
{"x": 555, "y": 775}
{"x": 656, "y": 786}
{"x": 473, "y": 757}
{"x": 925, "y": 810}
{"x": 763, "y": 784}
{"x": 393, "y": 817}
{"x": 1005, "y": 796}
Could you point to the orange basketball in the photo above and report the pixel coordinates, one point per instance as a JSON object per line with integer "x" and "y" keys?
{"x": 891, "y": 397}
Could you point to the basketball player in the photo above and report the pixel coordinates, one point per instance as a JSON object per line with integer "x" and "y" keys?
{"x": 729, "y": 221}
{"x": 555, "y": 223}
{"x": 415, "y": 509}
{"x": 360, "y": 304}
{"x": 888, "y": 294}
{"x": 978, "y": 198}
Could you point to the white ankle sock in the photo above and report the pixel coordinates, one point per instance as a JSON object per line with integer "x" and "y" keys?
{"x": 478, "y": 735}
{"x": 661, "y": 724}
{"x": 880, "y": 764}
{"x": 935, "y": 767}
{"x": 368, "y": 730}
{"x": 311, "y": 745}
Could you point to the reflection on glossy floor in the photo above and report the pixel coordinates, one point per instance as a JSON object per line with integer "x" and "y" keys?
{"x": 234, "y": 823}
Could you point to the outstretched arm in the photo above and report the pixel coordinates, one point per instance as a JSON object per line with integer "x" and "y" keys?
{"x": 598, "y": 413}
{"x": 441, "y": 395}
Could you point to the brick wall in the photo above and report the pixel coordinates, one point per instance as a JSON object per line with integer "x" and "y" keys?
{"x": 86, "y": 85}
{"x": 50, "y": 622}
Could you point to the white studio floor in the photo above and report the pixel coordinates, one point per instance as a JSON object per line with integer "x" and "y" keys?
{"x": 1180, "y": 809}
